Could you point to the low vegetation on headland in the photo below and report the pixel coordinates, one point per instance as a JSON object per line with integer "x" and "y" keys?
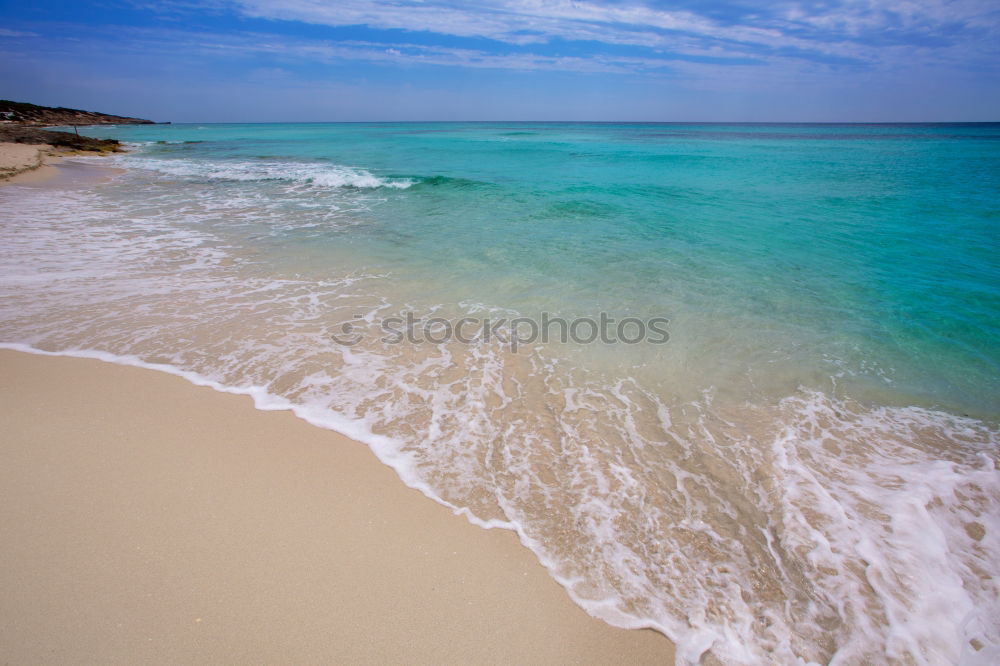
{"x": 23, "y": 113}
{"x": 21, "y": 122}
{"x": 29, "y": 143}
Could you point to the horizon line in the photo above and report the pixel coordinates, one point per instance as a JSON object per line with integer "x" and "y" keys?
{"x": 567, "y": 122}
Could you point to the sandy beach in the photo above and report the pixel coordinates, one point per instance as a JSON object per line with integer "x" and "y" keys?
{"x": 146, "y": 520}
{"x": 798, "y": 476}
{"x": 26, "y": 163}
{"x": 422, "y": 331}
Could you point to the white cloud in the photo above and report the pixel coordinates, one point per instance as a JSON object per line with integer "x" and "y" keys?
{"x": 842, "y": 30}
{"x": 400, "y": 54}
{"x": 511, "y": 21}
{"x": 4, "y": 32}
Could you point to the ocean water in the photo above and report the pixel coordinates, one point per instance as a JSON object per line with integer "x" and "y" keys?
{"x": 802, "y": 469}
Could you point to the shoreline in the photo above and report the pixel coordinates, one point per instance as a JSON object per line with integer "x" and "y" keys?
{"x": 28, "y": 151}
{"x": 164, "y": 272}
{"x": 151, "y": 519}
{"x": 56, "y": 168}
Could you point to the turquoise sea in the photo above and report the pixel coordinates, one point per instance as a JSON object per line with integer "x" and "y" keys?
{"x": 805, "y": 471}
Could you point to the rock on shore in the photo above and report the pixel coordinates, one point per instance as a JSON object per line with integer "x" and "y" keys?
{"x": 10, "y": 133}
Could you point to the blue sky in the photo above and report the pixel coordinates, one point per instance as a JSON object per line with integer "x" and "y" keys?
{"x": 316, "y": 60}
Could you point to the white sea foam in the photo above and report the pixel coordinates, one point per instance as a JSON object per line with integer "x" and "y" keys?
{"x": 806, "y": 529}
{"x": 318, "y": 174}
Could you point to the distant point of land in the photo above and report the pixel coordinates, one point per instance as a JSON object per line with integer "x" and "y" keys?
{"x": 31, "y": 114}
{"x": 23, "y": 123}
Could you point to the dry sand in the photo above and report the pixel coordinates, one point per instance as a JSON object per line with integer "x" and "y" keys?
{"x": 146, "y": 520}
{"x": 26, "y": 163}
{"x": 19, "y": 156}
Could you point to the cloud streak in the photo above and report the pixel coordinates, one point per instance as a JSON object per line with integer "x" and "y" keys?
{"x": 829, "y": 31}
{"x": 4, "y": 32}
{"x": 819, "y": 59}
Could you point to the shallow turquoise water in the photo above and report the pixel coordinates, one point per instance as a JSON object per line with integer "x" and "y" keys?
{"x": 806, "y": 470}
{"x": 871, "y": 249}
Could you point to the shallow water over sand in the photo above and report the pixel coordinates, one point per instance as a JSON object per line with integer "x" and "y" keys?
{"x": 806, "y": 469}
